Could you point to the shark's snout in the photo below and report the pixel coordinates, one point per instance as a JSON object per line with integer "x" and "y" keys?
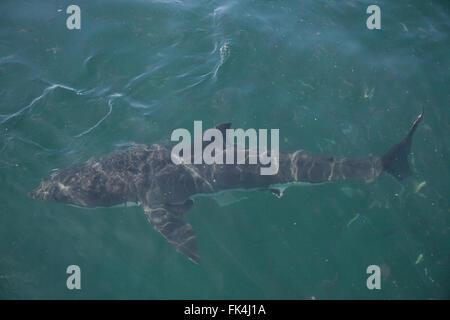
{"x": 35, "y": 194}
{"x": 73, "y": 187}
{"x": 38, "y": 193}
{"x": 46, "y": 191}
{"x": 52, "y": 190}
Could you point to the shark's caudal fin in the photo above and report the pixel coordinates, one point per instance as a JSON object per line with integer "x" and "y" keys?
{"x": 395, "y": 161}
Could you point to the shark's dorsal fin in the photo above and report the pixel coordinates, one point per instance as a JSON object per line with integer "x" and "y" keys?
{"x": 168, "y": 219}
{"x": 222, "y": 128}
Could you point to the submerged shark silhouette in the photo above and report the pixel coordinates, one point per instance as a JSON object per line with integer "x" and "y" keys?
{"x": 146, "y": 175}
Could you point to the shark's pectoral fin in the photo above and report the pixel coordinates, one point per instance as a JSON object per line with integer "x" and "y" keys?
{"x": 168, "y": 219}
{"x": 276, "y": 192}
{"x": 222, "y": 128}
{"x": 228, "y": 197}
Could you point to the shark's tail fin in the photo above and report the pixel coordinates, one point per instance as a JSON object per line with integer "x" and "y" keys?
{"x": 395, "y": 161}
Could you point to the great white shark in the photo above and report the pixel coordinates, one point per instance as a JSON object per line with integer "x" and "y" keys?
{"x": 146, "y": 175}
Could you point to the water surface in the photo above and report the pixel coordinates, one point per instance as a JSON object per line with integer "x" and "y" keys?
{"x": 139, "y": 69}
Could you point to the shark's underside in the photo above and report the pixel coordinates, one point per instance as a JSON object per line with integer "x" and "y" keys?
{"x": 146, "y": 174}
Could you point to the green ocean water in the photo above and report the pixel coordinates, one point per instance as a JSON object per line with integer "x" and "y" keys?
{"x": 136, "y": 70}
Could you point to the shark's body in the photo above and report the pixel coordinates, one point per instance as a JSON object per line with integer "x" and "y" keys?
{"x": 145, "y": 174}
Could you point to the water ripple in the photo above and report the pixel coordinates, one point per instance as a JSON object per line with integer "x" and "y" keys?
{"x": 5, "y": 117}
{"x": 110, "y": 101}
